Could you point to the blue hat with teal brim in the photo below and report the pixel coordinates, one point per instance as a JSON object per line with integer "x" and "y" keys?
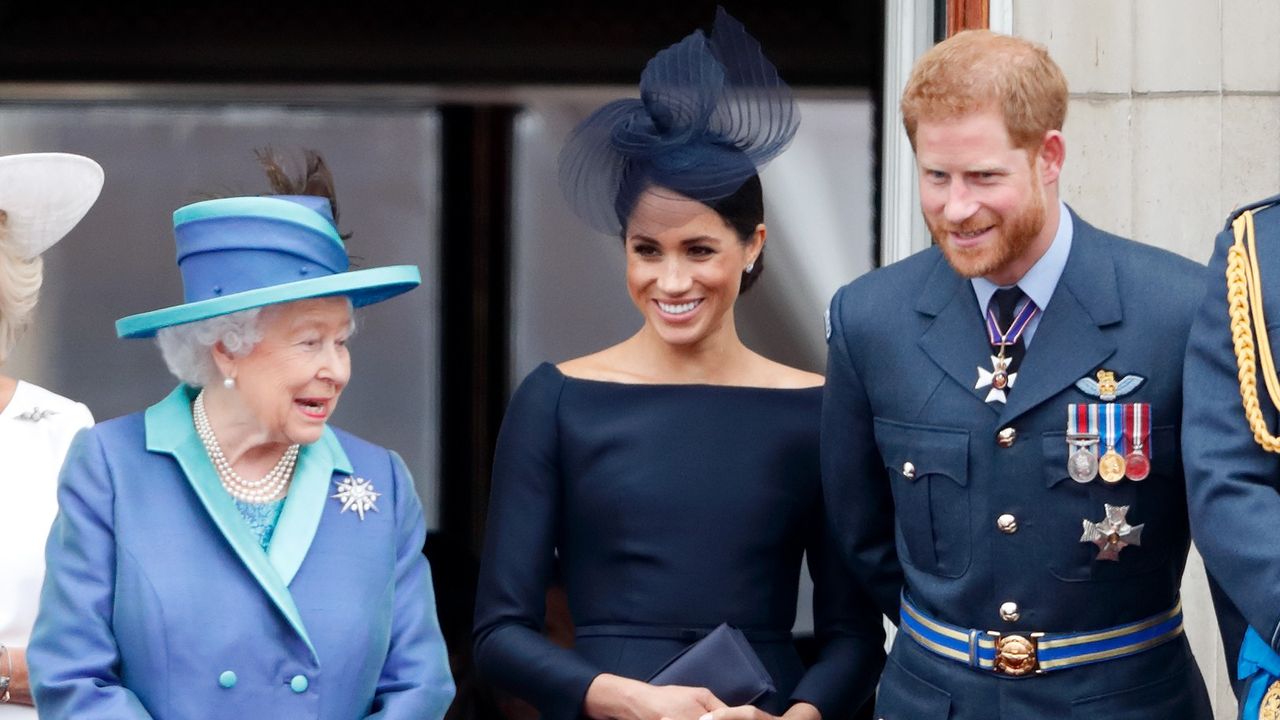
{"x": 246, "y": 252}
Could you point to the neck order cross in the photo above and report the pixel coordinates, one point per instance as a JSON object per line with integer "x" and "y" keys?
{"x": 1005, "y": 301}
{"x": 1008, "y": 341}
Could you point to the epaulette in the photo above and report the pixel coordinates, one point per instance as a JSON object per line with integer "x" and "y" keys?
{"x": 1260, "y": 204}
{"x": 1245, "y": 306}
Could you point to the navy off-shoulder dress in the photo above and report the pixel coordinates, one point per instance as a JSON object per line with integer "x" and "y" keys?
{"x": 672, "y": 509}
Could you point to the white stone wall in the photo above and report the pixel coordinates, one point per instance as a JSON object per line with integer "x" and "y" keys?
{"x": 1174, "y": 120}
{"x": 1175, "y": 110}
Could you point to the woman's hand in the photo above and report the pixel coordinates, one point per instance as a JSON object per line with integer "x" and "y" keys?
{"x": 19, "y": 683}
{"x": 611, "y": 697}
{"x": 799, "y": 711}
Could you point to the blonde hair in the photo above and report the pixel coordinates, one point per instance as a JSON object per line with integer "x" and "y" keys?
{"x": 978, "y": 69}
{"x": 20, "y": 281}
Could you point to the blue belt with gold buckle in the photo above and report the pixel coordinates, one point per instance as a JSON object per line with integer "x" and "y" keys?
{"x": 1021, "y": 654}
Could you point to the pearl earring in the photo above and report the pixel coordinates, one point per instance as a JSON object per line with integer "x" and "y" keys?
{"x": 229, "y": 383}
{"x": 750, "y": 267}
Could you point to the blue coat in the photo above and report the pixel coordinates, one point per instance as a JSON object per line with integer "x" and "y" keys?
{"x": 1233, "y": 485}
{"x": 158, "y": 601}
{"x": 905, "y": 345}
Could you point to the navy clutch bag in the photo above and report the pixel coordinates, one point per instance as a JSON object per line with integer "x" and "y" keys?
{"x": 722, "y": 662}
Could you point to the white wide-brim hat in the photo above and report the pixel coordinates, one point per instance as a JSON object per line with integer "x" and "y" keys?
{"x": 44, "y": 195}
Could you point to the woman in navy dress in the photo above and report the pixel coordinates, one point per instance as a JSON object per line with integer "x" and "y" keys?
{"x": 673, "y": 477}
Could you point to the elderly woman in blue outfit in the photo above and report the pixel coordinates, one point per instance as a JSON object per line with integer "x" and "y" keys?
{"x": 226, "y": 553}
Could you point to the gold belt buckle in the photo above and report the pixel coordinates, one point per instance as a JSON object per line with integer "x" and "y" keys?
{"x": 1016, "y": 653}
{"x": 1270, "y": 707}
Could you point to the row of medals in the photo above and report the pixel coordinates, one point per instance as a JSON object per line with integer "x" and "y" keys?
{"x": 1083, "y": 464}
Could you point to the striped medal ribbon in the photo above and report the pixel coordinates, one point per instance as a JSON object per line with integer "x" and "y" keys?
{"x": 1082, "y": 436}
{"x": 1111, "y": 464}
{"x": 1137, "y": 464}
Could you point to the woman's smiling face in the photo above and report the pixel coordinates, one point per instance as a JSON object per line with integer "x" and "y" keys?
{"x": 684, "y": 265}
{"x": 292, "y": 378}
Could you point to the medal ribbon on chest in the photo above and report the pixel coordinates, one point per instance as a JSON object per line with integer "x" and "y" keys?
{"x": 1138, "y": 428}
{"x": 1111, "y": 464}
{"x": 999, "y": 378}
{"x": 1082, "y": 436}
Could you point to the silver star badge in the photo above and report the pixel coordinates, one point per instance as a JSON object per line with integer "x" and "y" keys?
{"x": 998, "y": 378}
{"x": 357, "y": 494}
{"x": 1113, "y": 533}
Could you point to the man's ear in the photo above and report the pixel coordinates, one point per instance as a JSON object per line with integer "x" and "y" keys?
{"x": 1050, "y": 156}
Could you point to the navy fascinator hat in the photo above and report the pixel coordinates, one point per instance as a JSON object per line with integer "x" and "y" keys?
{"x": 712, "y": 111}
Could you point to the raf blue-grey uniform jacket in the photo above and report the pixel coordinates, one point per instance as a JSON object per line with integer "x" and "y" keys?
{"x": 1233, "y": 485}
{"x": 905, "y": 345}
{"x": 159, "y": 602}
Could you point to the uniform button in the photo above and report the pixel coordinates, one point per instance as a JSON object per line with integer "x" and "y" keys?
{"x": 1006, "y": 437}
{"x": 1007, "y": 523}
{"x": 227, "y": 679}
{"x": 299, "y": 683}
{"x": 1009, "y": 612}
{"x": 908, "y": 470}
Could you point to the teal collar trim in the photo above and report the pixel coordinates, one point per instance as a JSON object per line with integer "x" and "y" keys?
{"x": 312, "y": 479}
{"x": 170, "y": 430}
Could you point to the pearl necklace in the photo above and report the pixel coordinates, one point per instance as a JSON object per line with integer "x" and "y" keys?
{"x": 251, "y": 491}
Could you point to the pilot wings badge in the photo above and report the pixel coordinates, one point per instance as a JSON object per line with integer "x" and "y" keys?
{"x": 35, "y": 415}
{"x": 1106, "y": 388}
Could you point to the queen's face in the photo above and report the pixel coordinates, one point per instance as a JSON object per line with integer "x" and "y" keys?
{"x": 684, "y": 266}
{"x": 292, "y": 378}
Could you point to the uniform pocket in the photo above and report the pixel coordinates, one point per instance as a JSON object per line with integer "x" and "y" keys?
{"x": 1149, "y": 501}
{"x": 928, "y": 471}
{"x": 903, "y": 696}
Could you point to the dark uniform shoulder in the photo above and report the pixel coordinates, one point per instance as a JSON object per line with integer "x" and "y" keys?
{"x": 1159, "y": 289}
{"x": 1266, "y": 223}
{"x": 872, "y": 303}
{"x": 1270, "y": 207}
{"x": 894, "y": 281}
{"x": 1165, "y": 267}
{"x": 1160, "y": 262}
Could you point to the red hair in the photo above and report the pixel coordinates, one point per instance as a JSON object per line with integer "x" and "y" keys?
{"x": 977, "y": 69}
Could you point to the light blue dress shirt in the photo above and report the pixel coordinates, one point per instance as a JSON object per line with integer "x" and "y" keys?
{"x": 1041, "y": 280}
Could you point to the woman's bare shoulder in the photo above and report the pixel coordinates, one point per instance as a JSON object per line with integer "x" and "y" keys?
{"x": 776, "y": 375}
{"x": 607, "y": 365}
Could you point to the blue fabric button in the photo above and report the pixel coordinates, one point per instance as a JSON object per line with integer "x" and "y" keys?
{"x": 299, "y": 683}
{"x": 227, "y": 679}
